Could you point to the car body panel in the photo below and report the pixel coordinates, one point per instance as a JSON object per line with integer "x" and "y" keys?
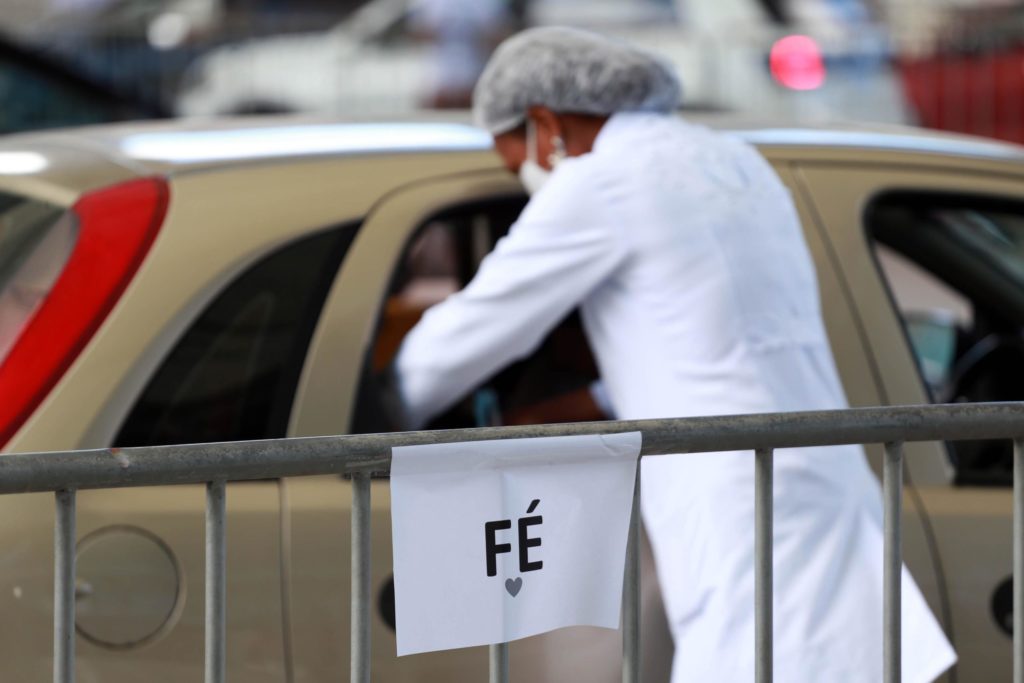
{"x": 185, "y": 146}
{"x": 176, "y": 516}
{"x": 972, "y": 523}
{"x": 64, "y": 172}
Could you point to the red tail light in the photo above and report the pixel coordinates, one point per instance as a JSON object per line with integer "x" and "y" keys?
{"x": 116, "y": 227}
{"x": 796, "y": 62}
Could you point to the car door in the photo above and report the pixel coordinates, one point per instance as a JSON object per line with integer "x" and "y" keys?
{"x": 321, "y": 506}
{"x": 398, "y": 267}
{"x": 881, "y": 222}
{"x": 859, "y": 374}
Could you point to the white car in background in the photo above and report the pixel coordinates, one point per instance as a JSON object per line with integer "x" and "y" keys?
{"x": 360, "y": 65}
{"x": 816, "y": 66}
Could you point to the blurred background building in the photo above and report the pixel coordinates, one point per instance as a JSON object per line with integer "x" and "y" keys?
{"x": 950, "y": 64}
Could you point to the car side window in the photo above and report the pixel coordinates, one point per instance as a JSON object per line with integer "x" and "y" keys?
{"x": 233, "y": 374}
{"x": 439, "y": 259}
{"x": 955, "y": 269}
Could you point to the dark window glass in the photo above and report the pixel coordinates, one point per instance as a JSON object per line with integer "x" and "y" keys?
{"x": 38, "y": 92}
{"x": 955, "y": 269}
{"x": 233, "y": 374}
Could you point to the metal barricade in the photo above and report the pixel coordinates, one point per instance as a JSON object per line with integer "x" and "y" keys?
{"x": 362, "y": 455}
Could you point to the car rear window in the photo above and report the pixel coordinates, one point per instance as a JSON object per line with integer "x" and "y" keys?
{"x": 36, "y": 240}
{"x": 233, "y": 374}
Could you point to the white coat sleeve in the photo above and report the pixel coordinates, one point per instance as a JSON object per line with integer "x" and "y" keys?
{"x": 537, "y": 274}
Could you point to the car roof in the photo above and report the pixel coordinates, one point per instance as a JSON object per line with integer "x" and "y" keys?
{"x": 181, "y": 146}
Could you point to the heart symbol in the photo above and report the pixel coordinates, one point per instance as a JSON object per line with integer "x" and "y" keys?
{"x": 513, "y": 587}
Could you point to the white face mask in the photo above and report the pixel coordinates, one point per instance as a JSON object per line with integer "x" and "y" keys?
{"x": 532, "y": 175}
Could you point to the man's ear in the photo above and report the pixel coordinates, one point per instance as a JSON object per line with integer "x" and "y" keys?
{"x": 511, "y": 147}
{"x": 548, "y": 123}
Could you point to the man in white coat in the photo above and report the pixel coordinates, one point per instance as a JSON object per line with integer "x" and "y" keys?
{"x": 684, "y": 252}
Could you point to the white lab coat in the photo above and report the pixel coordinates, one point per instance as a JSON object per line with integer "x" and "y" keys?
{"x": 698, "y": 296}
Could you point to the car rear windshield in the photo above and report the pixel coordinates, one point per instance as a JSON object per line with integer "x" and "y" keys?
{"x": 36, "y": 239}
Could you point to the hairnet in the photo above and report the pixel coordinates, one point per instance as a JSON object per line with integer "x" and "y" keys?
{"x": 571, "y": 71}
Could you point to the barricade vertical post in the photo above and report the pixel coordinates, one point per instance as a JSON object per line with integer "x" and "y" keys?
{"x": 631, "y": 593}
{"x": 892, "y": 483}
{"x": 360, "y": 636}
{"x": 763, "y": 470}
{"x": 64, "y": 589}
{"x": 498, "y": 663}
{"x": 216, "y": 559}
{"x": 1018, "y": 561}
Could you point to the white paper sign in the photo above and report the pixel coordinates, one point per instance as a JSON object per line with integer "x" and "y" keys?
{"x": 499, "y": 540}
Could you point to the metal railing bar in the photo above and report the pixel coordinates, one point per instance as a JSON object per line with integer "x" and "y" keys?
{"x": 216, "y": 561}
{"x": 64, "y": 588}
{"x": 247, "y": 460}
{"x": 892, "y": 573}
{"x": 285, "y": 568}
{"x": 360, "y": 604}
{"x": 763, "y": 475}
{"x": 631, "y": 656}
{"x": 498, "y": 667}
{"x": 1018, "y": 561}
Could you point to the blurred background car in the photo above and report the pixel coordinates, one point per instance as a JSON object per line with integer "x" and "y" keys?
{"x": 362, "y": 64}
{"x": 177, "y": 282}
{"x": 137, "y": 47}
{"x": 740, "y": 56}
{"x": 953, "y": 65}
{"x": 40, "y": 92}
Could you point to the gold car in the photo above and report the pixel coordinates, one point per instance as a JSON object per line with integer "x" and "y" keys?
{"x": 168, "y": 283}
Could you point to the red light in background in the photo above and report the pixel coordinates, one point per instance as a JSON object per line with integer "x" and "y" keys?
{"x": 796, "y": 63}
{"x": 116, "y": 227}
